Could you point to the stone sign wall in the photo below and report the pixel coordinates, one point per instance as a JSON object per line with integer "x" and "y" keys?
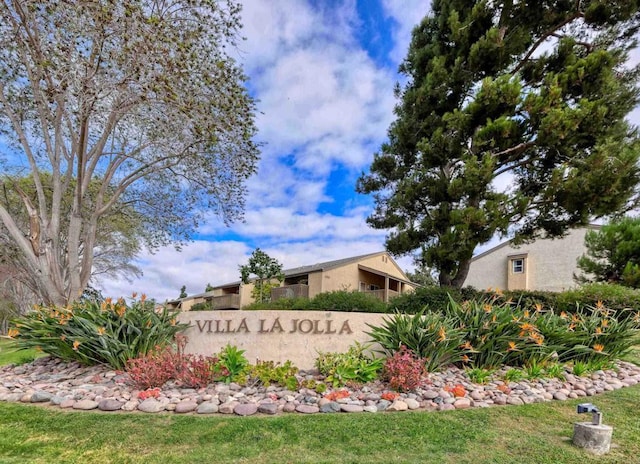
{"x": 278, "y": 336}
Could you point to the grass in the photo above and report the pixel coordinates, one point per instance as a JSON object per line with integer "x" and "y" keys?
{"x": 9, "y": 354}
{"x": 525, "y": 434}
{"x": 539, "y": 434}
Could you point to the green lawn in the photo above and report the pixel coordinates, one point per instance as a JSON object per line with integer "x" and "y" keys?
{"x": 9, "y": 354}
{"x": 537, "y": 434}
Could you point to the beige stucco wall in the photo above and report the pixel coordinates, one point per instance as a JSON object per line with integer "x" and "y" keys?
{"x": 550, "y": 264}
{"x": 349, "y": 276}
{"x": 315, "y": 283}
{"x": 277, "y": 336}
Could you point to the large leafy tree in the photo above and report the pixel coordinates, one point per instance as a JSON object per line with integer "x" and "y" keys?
{"x": 511, "y": 121}
{"x": 138, "y": 95}
{"x": 120, "y": 234}
{"x": 613, "y": 253}
{"x": 267, "y": 271}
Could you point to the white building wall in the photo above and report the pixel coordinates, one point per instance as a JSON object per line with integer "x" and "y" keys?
{"x": 551, "y": 263}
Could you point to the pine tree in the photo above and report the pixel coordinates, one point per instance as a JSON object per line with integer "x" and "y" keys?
{"x": 511, "y": 121}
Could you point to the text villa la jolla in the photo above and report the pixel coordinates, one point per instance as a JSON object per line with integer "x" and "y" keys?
{"x": 264, "y": 326}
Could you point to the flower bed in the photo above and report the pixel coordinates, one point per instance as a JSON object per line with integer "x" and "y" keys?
{"x": 73, "y": 386}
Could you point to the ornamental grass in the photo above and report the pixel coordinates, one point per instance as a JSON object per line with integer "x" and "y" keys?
{"x": 93, "y": 332}
{"x": 490, "y": 333}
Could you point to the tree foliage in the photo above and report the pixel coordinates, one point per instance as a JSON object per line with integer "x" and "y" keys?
{"x": 140, "y": 96}
{"x": 613, "y": 253}
{"x": 266, "y": 269}
{"x": 511, "y": 121}
{"x": 119, "y": 237}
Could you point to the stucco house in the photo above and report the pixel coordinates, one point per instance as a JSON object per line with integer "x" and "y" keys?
{"x": 375, "y": 273}
{"x": 545, "y": 264}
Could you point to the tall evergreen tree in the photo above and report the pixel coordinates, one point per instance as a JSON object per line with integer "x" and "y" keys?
{"x": 613, "y": 253}
{"x": 512, "y": 120}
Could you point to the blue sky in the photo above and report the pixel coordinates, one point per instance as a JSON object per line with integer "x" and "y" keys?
{"x": 323, "y": 73}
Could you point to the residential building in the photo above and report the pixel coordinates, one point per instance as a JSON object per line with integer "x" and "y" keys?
{"x": 545, "y": 264}
{"x": 375, "y": 273}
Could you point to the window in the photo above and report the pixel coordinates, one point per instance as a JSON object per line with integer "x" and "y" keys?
{"x": 517, "y": 265}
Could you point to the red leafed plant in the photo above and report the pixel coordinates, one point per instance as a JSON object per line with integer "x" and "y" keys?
{"x": 404, "y": 370}
{"x": 389, "y": 396}
{"x": 504, "y": 389}
{"x": 161, "y": 365}
{"x": 458, "y": 390}
{"x": 149, "y": 393}
{"x": 337, "y": 394}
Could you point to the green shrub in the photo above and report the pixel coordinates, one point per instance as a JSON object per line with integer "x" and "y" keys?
{"x": 347, "y": 301}
{"x": 430, "y": 336}
{"x": 281, "y": 303}
{"x": 92, "y": 332}
{"x": 624, "y": 301}
{"x": 433, "y": 299}
{"x": 235, "y": 362}
{"x": 268, "y": 372}
{"x": 204, "y": 306}
{"x": 357, "y": 365}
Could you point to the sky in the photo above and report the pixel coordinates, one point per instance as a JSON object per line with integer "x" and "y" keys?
{"x": 323, "y": 73}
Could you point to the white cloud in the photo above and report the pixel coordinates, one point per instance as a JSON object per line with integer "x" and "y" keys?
{"x": 407, "y": 14}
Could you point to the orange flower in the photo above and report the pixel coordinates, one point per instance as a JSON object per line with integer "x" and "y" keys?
{"x": 487, "y": 308}
{"x": 571, "y": 327}
{"x": 442, "y": 334}
{"x": 605, "y": 322}
{"x": 526, "y": 314}
{"x": 513, "y": 346}
{"x": 465, "y": 358}
{"x": 537, "y": 338}
{"x": 538, "y": 307}
{"x": 599, "y": 305}
{"x": 76, "y": 344}
{"x": 598, "y": 331}
{"x": 466, "y": 345}
{"x": 63, "y": 337}
{"x": 143, "y": 297}
{"x": 13, "y": 332}
{"x": 563, "y": 315}
{"x": 499, "y": 292}
{"x": 101, "y": 330}
{"x": 134, "y": 294}
{"x": 173, "y": 321}
{"x": 120, "y": 310}
{"x": 598, "y": 347}
{"x": 526, "y": 327}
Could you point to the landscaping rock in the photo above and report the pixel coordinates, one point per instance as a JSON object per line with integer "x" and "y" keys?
{"x": 85, "y": 405}
{"x": 206, "y": 407}
{"x": 151, "y": 405}
{"x": 398, "y": 405}
{"x": 307, "y": 409}
{"x": 268, "y": 408}
{"x": 412, "y": 403}
{"x": 110, "y": 405}
{"x": 246, "y": 409}
{"x": 228, "y": 407}
{"x": 186, "y": 406}
{"x": 351, "y": 408}
{"x": 40, "y": 396}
